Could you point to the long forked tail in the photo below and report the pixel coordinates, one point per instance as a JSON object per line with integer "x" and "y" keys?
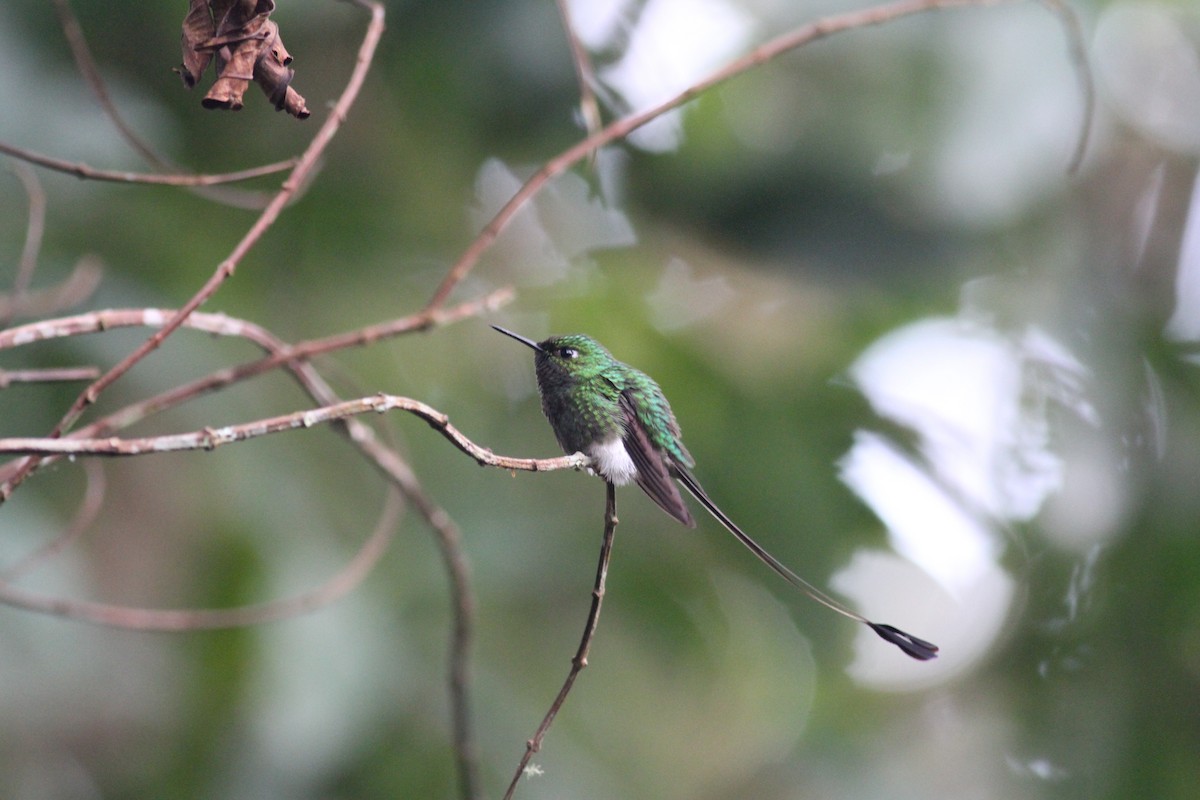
{"x": 911, "y": 645}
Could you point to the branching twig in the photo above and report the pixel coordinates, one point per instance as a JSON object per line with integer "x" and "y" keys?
{"x": 90, "y": 71}
{"x": 306, "y": 163}
{"x": 820, "y": 29}
{"x": 579, "y": 661}
{"x": 280, "y": 353}
{"x": 446, "y": 533}
{"x": 342, "y": 414}
{"x": 388, "y": 462}
{"x": 212, "y": 438}
{"x": 449, "y": 541}
{"x": 225, "y": 325}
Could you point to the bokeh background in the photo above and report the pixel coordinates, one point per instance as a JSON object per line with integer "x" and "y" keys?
{"x": 914, "y": 356}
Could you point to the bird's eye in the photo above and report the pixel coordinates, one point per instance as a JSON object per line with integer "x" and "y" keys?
{"x": 568, "y": 352}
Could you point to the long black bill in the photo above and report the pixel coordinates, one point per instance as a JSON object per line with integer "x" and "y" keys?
{"x": 519, "y": 338}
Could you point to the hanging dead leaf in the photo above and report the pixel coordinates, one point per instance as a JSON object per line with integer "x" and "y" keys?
{"x": 245, "y": 43}
{"x": 198, "y": 28}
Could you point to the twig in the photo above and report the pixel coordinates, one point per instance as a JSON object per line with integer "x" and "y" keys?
{"x": 146, "y": 619}
{"x": 449, "y": 542}
{"x": 279, "y": 352}
{"x": 619, "y": 129}
{"x": 224, "y": 325}
{"x": 87, "y": 67}
{"x": 112, "y": 319}
{"x": 72, "y": 290}
{"x": 212, "y": 438}
{"x": 394, "y": 468}
{"x": 47, "y": 375}
{"x": 589, "y": 109}
{"x": 80, "y": 170}
{"x": 446, "y": 532}
{"x": 226, "y": 268}
{"x": 202, "y": 186}
{"x": 580, "y": 660}
{"x": 34, "y": 229}
{"x": 89, "y": 509}
{"x": 447, "y": 537}
{"x": 389, "y": 463}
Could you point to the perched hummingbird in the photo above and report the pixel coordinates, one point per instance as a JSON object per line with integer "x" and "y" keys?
{"x": 619, "y": 418}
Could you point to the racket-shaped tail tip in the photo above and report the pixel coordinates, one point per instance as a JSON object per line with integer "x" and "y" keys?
{"x": 911, "y": 645}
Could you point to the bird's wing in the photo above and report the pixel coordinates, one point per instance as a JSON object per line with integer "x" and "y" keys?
{"x": 653, "y": 474}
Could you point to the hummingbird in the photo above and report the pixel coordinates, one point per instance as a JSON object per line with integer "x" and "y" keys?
{"x": 620, "y": 419}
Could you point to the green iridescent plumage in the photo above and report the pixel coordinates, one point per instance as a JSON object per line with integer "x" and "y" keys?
{"x": 619, "y": 417}
{"x": 615, "y": 414}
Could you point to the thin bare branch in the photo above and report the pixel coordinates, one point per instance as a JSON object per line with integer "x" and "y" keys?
{"x": 389, "y": 463}
{"x": 308, "y": 161}
{"x": 34, "y": 230}
{"x": 449, "y": 542}
{"x": 462, "y": 598}
{"x": 101, "y": 321}
{"x": 619, "y": 129}
{"x": 73, "y": 290}
{"x": 212, "y": 438}
{"x": 80, "y": 170}
{"x": 580, "y": 660}
{"x": 90, "y": 71}
{"x": 46, "y": 375}
{"x": 280, "y": 353}
{"x": 146, "y": 619}
{"x": 224, "y": 325}
{"x": 585, "y": 74}
{"x": 89, "y": 509}
{"x": 87, "y": 67}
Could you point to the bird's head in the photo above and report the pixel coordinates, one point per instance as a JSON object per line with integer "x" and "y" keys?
{"x": 570, "y": 357}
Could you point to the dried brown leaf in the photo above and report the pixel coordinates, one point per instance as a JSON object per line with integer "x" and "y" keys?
{"x": 198, "y": 27}
{"x": 247, "y": 47}
{"x": 236, "y": 71}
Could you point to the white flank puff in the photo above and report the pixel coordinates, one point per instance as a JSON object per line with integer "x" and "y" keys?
{"x": 612, "y": 462}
